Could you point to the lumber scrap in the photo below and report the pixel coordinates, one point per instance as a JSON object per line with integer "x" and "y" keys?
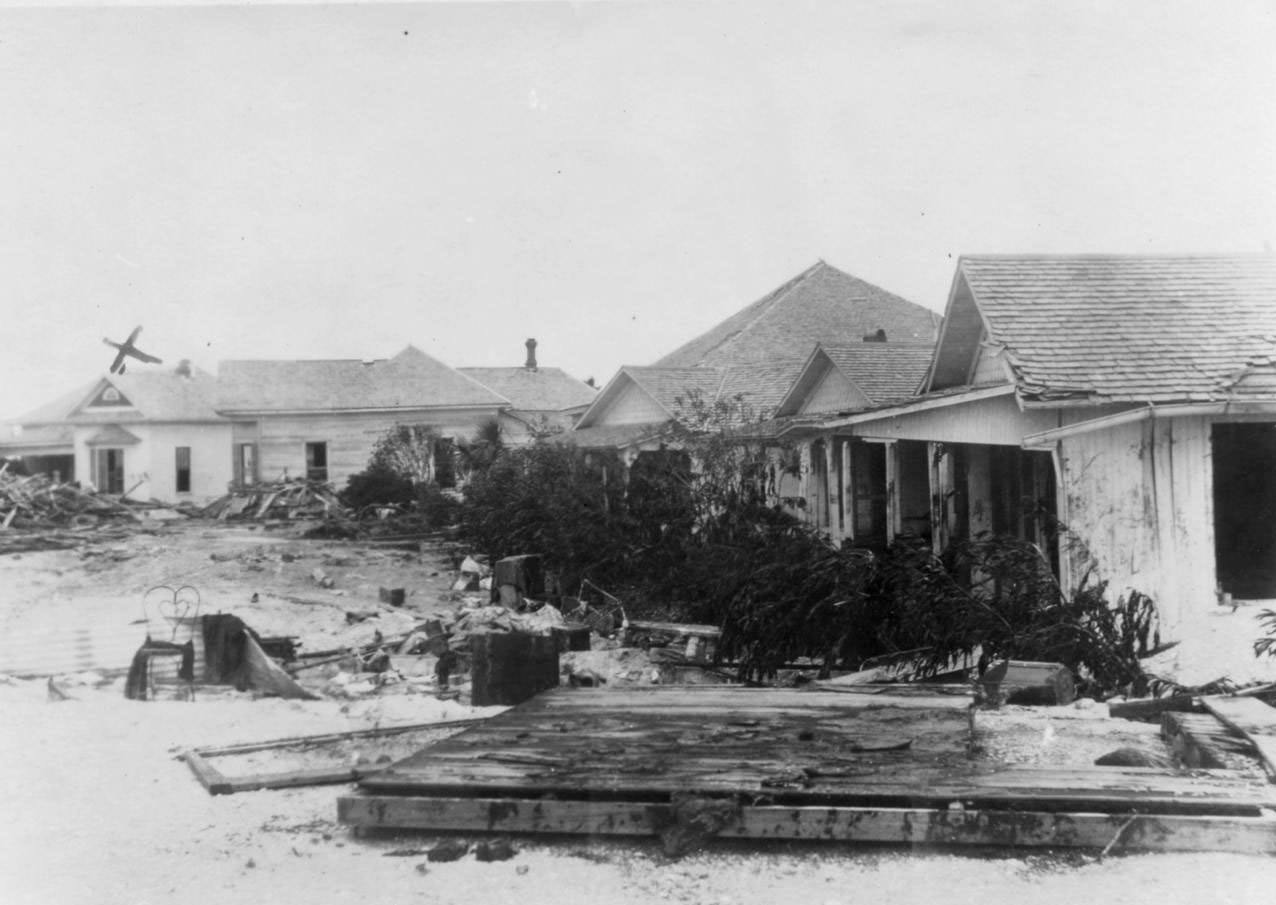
{"x": 1253, "y": 719}
{"x": 1150, "y": 709}
{"x": 326, "y": 738}
{"x": 1202, "y": 740}
{"x": 910, "y": 826}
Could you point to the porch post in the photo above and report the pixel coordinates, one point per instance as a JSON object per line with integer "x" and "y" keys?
{"x": 894, "y": 521}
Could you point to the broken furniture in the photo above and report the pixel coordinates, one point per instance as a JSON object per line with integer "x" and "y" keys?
{"x": 860, "y": 764}
{"x": 173, "y": 653}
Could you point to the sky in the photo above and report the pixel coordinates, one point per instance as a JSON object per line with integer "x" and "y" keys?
{"x": 337, "y": 181}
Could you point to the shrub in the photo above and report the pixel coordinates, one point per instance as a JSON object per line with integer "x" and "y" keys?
{"x": 377, "y": 486}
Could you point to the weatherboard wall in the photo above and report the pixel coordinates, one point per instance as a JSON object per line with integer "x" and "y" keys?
{"x": 350, "y": 436}
{"x": 150, "y": 464}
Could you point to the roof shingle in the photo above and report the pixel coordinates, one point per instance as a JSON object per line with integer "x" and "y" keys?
{"x": 535, "y": 389}
{"x": 1128, "y": 328}
{"x": 411, "y": 379}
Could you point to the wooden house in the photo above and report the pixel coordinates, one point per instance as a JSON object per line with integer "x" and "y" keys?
{"x": 749, "y": 361}
{"x": 148, "y": 433}
{"x": 1130, "y": 400}
{"x": 320, "y": 419}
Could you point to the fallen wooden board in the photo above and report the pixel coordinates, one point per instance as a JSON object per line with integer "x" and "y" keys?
{"x": 1202, "y": 739}
{"x": 1253, "y": 719}
{"x": 1150, "y": 709}
{"x": 250, "y": 747}
{"x": 910, "y": 826}
{"x": 219, "y": 783}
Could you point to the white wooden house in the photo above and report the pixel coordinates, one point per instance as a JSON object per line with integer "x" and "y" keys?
{"x": 1132, "y": 399}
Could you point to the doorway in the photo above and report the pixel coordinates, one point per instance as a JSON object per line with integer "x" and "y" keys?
{"x": 1245, "y": 508}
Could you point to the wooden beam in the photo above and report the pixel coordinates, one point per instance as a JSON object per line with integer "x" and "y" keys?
{"x": 1202, "y": 739}
{"x": 209, "y": 776}
{"x": 1253, "y": 719}
{"x": 1150, "y": 709}
{"x": 909, "y": 826}
{"x": 250, "y": 747}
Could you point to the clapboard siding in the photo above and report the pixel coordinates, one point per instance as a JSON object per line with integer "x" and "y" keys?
{"x": 633, "y": 405}
{"x": 834, "y": 393}
{"x": 350, "y": 437}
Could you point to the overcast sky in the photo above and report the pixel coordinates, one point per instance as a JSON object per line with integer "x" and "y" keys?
{"x": 338, "y": 181}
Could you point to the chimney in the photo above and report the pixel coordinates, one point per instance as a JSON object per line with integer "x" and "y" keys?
{"x": 183, "y": 368}
{"x": 878, "y": 337}
{"x": 531, "y": 355}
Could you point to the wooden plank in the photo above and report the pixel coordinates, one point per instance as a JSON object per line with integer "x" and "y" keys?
{"x": 1202, "y": 740}
{"x": 295, "y": 741}
{"x": 910, "y": 826}
{"x": 209, "y": 776}
{"x": 1150, "y": 709}
{"x": 1253, "y": 719}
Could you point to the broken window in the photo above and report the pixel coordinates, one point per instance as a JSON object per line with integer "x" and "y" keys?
{"x": 317, "y": 461}
{"x": 183, "y": 456}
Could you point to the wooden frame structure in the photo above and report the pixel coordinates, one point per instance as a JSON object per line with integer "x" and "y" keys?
{"x": 886, "y": 764}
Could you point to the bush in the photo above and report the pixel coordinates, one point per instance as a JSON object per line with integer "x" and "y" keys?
{"x": 439, "y": 507}
{"x": 377, "y": 486}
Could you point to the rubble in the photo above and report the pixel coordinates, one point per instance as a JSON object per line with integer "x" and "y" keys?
{"x": 287, "y": 499}
{"x": 37, "y": 513}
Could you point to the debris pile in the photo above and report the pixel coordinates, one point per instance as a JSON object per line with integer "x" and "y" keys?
{"x": 287, "y": 499}
{"x": 37, "y": 513}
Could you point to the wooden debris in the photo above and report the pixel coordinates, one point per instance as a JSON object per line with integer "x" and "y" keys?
{"x": 1149, "y": 710}
{"x": 38, "y": 514}
{"x": 288, "y": 499}
{"x": 1201, "y": 740}
{"x": 1253, "y": 719}
{"x": 1027, "y": 682}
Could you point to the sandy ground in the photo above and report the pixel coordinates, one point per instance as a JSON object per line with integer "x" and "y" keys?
{"x": 100, "y": 811}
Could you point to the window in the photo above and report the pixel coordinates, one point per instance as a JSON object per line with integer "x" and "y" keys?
{"x": 317, "y": 461}
{"x": 107, "y": 468}
{"x": 245, "y": 465}
{"x": 183, "y": 469}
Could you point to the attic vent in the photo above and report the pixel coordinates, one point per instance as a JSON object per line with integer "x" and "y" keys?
{"x": 878, "y": 337}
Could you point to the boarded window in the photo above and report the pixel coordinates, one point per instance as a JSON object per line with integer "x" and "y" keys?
{"x": 183, "y": 456}
{"x": 317, "y": 461}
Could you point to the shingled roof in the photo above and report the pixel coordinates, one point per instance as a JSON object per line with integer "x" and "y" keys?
{"x": 409, "y": 380}
{"x": 817, "y": 305}
{"x": 153, "y": 394}
{"x": 1125, "y": 328}
{"x": 535, "y": 389}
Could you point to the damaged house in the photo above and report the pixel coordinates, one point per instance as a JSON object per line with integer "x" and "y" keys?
{"x": 1131, "y": 400}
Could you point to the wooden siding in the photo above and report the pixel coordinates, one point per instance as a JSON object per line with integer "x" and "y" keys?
{"x": 834, "y": 393}
{"x": 996, "y": 421}
{"x": 1139, "y": 502}
{"x": 350, "y": 437}
{"x": 632, "y": 405}
{"x": 990, "y": 368}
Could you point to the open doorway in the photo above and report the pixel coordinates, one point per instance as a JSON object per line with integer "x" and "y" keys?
{"x": 1245, "y": 508}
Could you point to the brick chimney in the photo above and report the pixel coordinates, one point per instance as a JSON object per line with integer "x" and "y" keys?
{"x": 531, "y": 355}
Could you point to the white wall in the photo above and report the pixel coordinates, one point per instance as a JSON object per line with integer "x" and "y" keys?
{"x": 632, "y": 405}
{"x": 151, "y": 463}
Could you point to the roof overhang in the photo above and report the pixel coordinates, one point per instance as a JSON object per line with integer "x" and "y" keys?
{"x": 1045, "y": 440}
{"x": 921, "y": 404}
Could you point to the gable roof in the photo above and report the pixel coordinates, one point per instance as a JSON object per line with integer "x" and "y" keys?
{"x": 535, "y": 389}
{"x": 153, "y": 394}
{"x": 883, "y": 372}
{"x": 409, "y": 380}
{"x": 819, "y": 303}
{"x": 1097, "y": 328}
